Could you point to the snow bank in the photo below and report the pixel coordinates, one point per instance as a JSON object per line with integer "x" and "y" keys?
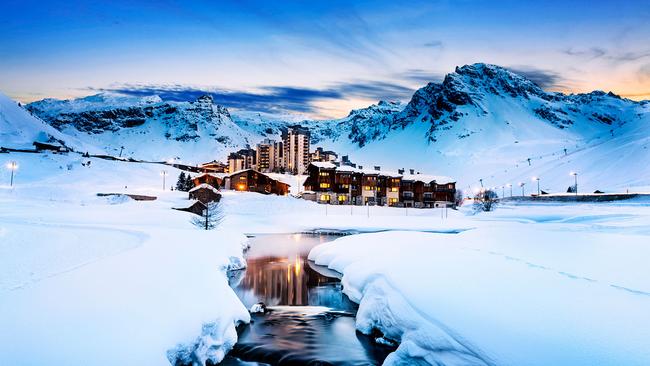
{"x": 504, "y": 293}
{"x": 85, "y": 281}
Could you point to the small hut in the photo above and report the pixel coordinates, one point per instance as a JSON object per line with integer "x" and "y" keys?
{"x": 205, "y": 193}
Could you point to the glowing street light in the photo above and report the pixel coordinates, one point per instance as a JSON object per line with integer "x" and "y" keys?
{"x": 13, "y": 166}
{"x": 163, "y": 173}
{"x": 522, "y": 184}
{"x": 537, "y": 179}
{"x": 575, "y": 187}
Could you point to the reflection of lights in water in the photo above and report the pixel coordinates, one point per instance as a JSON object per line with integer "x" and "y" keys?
{"x": 298, "y": 267}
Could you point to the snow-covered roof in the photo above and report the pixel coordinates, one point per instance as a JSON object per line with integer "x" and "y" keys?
{"x": 215, "y": 175}
{"x": 206, "y": 186}
{"x": 440, "y": 179}
{"x": 323, "y": 164}
{"x": 414, "y": 177}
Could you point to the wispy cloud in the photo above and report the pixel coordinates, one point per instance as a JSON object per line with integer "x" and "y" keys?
{"x": 272, "y": 98}
{"x": 601, "y": 53}
{"x": 543, "y": 78}
{"x": 433, "y": 44}
{"x": 419, "y": 76}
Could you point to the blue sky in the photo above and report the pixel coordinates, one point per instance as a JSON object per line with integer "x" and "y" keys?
{"x": 316, "y": 57}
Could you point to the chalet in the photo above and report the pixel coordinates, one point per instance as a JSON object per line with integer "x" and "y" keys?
{"x": 334, "y": 184}
{"x": 205, "y": 193}
{"x": 213, "y": 179}
{"x": 214, "y": 167}
{"x": 253, "y": 181}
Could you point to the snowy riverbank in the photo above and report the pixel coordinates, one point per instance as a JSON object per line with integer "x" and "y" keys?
{"x": 533, "y": 285}
{"x": 87, "y": 280}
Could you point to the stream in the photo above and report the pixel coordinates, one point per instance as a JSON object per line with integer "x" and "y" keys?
{"x": 308, "y": 318}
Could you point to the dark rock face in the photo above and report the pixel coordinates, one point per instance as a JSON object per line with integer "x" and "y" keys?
{"x": 180, "y": 121}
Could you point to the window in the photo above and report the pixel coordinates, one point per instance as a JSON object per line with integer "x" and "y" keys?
{"x": 325, "y": 197}
{"x": 341, "y": 198}
{"x": 392, "y": 201}
{"x": 408, "y": 194}
{"x": 368, "y": 188}
{"x": 428, "y": 194}
{"x": 345, "y": 186}
{"x": 324, "y": 185}
{"x": 394, "y": 189}
{"x": 451, "y": 186}
{"x": 324, "y": 174}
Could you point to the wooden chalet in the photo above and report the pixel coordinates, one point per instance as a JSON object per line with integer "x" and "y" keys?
{"x": 250, "y": 180}
{"x": 214, "y": 167}
{"x": 213, "y": 179}
{"x": 205, "y": 193}
{"x": 334, "y": 184}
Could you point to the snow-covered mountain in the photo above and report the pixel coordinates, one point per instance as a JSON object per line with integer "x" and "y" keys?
{"x": 147, "y": 127}
{"x": 485, "y": 122}
{"x": 482, "y": 122}
{"x": 19, "y": 129}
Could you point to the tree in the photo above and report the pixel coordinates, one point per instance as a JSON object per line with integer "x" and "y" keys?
{"x": 180, "y": 184}
{"x": 458, "y": 198}
{"x": 189, "y": 183}
{"x": 211, "y": 217}
{"x": 485, "y": 201}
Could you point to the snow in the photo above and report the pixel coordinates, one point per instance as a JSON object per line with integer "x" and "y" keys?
{"x": 87, "y": 280}
{"x": 204, "y": 186}
{"x": 530, "y": 284}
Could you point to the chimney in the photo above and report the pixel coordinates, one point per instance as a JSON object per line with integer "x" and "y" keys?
{"x": 360, "y": 166}
{"x": 377, "y": 168}
{"x": 412, "y": 171}
{"x": 400, "y": 171}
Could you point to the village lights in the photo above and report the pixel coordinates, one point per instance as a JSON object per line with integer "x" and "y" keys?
{"x": 522, "y": 184}
{"x": 537, "y": 179}
{"x": 13, "y": 166}
{"x": 575, "y": 187}
{"x": 163, "y": 173}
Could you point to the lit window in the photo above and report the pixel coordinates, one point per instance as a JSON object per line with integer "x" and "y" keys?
{"x": 392, "y": 200}
{"x": 341, "y": 198}
{"x": 394, "y": 189}
{"x": 325, "y": 197}
{"x": 324, "y": 174}
{"x": 324, "y": 185}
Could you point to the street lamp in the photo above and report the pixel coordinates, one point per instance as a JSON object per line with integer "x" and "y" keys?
{"x": 522, "y": 184}
{"x": 575, "y": 187}
{"x": 537, "y": 179}
{"x": 163, "y": 173}
{"x": 510, "y": 186}
{"x": 12, "y": 165}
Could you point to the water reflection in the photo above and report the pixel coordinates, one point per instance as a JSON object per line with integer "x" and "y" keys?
{"x": 310, "y": 320}
{"x": 279, "y": 273}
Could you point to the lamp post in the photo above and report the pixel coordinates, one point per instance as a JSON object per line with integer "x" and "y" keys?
{"x": 12, "y": 165}
{"x": 575, "y": 187}
{"x": 522, "y": 184}
{"x": 510, "y": 186}
{"x": 503, "y": 191}
{"x": 163, "y": 173}
{"x": 537, "y": 179}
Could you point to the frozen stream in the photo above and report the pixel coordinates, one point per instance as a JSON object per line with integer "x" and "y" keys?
{"x": 309, "y": 320}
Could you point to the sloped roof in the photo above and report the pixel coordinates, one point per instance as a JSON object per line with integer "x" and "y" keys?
{"x": 205, "y": 186}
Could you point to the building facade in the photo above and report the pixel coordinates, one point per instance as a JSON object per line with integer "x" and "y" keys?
{"x": 250, "y": 180}
{"x": 334, "y": 184}
{"x": 295, "y": 140}
{"x": 242, "y": 159}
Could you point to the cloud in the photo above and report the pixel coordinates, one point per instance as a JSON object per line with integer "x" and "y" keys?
{"x": 433, "y": 44}
{"x": 419, "y": 76}
{"x": 591, "y": 53}
{"x": 272, "y": 98}
{"x": 543, "y": 78}
{"x": 644, "y": 73}
{"x": 597, "y": 52}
